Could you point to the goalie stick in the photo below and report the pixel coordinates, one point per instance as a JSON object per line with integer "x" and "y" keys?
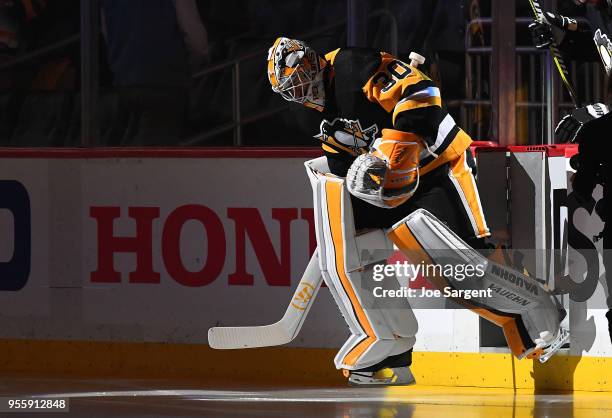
{"x": 281, "y": 332}
{"x": 556, "y": 55}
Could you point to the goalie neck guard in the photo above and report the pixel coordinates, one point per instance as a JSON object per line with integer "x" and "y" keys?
{"x": 295, "y": 71}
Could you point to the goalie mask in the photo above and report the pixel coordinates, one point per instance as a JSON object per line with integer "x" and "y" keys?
{"x": 295, "y": 71}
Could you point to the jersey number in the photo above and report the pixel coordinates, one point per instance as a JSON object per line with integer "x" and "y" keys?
{"x": 396, "y": 70}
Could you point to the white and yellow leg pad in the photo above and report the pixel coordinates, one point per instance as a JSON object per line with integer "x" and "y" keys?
{"x": 528, "y": 313}
{"x": 347, "y": 260}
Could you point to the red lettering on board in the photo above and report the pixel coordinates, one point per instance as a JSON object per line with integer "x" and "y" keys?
{"x": 141, "y": 244}
{"x": 276, "y": 269}
{"x": 171, "y": 245}
{"x": 273, "y": 253}
{"x": 308, "y": 215}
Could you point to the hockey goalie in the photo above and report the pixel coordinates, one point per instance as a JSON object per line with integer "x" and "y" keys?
{"x": 396, "y": 172}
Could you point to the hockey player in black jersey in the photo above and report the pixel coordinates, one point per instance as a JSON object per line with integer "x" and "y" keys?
{"x": 360, "y": 93}
{"x": 389, "y": 141}
{"x": 590, "y": 126}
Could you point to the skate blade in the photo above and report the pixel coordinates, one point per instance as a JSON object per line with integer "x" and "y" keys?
{"x": 380, "y": 383}
{"x": 557, "y": 343}
{"x": 405, "y": 378}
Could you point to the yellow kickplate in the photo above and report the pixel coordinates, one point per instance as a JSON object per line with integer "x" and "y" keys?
{"x": 562, "y": 372}
{"x": 304, "y": 365}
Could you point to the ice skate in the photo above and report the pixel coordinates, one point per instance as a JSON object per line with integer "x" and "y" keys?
{"x": 396, "y": 376}
{"x": 548, "y": 345}
{"x": 555, "y": 345}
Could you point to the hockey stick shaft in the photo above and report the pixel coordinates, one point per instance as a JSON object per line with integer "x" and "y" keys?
{"x": 556, "y": 56}
{"x": 281, "y": 332}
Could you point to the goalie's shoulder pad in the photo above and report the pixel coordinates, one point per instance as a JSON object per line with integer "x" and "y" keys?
{"x": 392, "y": 80}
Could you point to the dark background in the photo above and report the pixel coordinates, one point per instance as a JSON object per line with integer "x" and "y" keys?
{"x": 134, "y": 73}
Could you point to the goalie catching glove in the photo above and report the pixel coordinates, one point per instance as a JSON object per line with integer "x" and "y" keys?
{"x": 387, "y": 175}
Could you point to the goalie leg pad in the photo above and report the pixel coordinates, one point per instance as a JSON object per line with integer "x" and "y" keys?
{"x": 346, "y": 261}
{"x": 528, "y": 313}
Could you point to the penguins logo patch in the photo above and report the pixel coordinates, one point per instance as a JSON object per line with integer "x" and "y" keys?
{"x": 347, "y": 135}
{"x": 604, "y": 47}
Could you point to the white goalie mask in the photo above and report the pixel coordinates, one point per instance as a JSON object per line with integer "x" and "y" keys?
{"x": 295, "y": 71}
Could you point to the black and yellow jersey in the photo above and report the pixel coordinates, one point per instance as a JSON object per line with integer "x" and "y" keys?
{"x": 368, "y": 91}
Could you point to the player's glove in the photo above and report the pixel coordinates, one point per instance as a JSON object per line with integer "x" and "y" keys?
{"x": 388, "y": 174}
{"x": 542, "y": 32}
{"x": 570, "y": 125}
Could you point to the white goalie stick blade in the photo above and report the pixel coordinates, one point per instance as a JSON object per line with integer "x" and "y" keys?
{"x": 281, "y": 332}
